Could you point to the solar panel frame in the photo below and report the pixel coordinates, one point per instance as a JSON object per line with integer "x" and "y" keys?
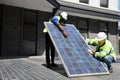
{"x": 63, "y": 58}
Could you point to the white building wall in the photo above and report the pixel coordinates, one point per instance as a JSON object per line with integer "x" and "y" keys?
{"x": 74, "y": 1}
{"x": 42, "y": 5}
{"x": 95, "y": 3}
{"x": 113, "y": 4}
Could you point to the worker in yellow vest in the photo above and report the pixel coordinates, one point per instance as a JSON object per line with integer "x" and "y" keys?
{"x": 57, "y": 20}
{"x": 104, "y": 50}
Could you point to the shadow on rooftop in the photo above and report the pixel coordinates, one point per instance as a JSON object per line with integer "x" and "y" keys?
{"x": 60, "y": 69}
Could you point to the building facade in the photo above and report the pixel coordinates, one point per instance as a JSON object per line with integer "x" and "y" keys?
{"x": 21, "y": 22}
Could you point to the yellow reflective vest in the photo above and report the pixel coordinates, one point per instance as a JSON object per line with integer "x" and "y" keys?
{"x": 101, "y": 51}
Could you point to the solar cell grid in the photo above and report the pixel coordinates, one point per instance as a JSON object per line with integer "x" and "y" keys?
{"x": 73, "y": 52}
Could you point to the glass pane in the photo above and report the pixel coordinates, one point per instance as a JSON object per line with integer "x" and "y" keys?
{"x": 104, "y": 3}
{"x": 103, "y": 26}
{"x": 83, "y": 1}
{"x": 82, "y": 24}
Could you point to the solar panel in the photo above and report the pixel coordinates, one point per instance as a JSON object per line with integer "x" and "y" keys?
{"x": 73, "y": 52}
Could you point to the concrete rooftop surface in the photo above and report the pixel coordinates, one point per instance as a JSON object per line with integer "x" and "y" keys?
{"x": 34, "y": 68}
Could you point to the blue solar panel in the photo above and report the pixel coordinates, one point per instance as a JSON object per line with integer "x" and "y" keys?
{"x": 73, "y": 52}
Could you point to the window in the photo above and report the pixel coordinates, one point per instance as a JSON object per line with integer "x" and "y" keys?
{"x": 104, "y": 3}
{"x": 29, "y": 32}
{"x": 83, "y": 27}
{"x": 103, "y": 27}
{"x": 84, "y": 1}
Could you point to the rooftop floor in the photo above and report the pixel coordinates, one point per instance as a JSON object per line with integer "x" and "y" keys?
{"x": 34, "y": 68}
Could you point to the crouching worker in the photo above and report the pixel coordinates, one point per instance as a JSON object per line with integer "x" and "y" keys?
{"x": 104, "y": 50}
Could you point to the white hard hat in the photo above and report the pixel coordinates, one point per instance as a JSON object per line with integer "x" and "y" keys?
{"x": 64, "y": 15}
{"x": 101, "y": 36}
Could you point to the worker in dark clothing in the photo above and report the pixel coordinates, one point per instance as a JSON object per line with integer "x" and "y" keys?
{"x": 57, "y": 20}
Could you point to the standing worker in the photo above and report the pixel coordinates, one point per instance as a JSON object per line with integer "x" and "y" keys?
{"x": 104, "y": 50}
{"x": 57, "y": 20}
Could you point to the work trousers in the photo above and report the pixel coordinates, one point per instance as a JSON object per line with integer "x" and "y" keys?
{"x": 108, "y": 59}
{"x": 49, "y": 45}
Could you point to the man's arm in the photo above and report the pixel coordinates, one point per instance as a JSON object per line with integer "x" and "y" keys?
{"x": 92, "y": 42}
{"x": 105, "y": 51}
{"x": 61, "y": 28}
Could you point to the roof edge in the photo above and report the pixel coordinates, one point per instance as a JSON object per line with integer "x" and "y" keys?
{"x": 54, "y": 3}
{"x": 87, "y": 7}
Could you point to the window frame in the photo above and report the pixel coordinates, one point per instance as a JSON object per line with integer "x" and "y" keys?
{"x": 103, "y": 4}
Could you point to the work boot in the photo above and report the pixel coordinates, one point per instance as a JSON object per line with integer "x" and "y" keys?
{"x": 110, "y": 70}
{"x": 54, "y": 65}
{"x": 48, "y": 66}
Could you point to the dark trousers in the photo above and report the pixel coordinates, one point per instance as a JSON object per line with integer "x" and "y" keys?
{"x": 49, "y": 45}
